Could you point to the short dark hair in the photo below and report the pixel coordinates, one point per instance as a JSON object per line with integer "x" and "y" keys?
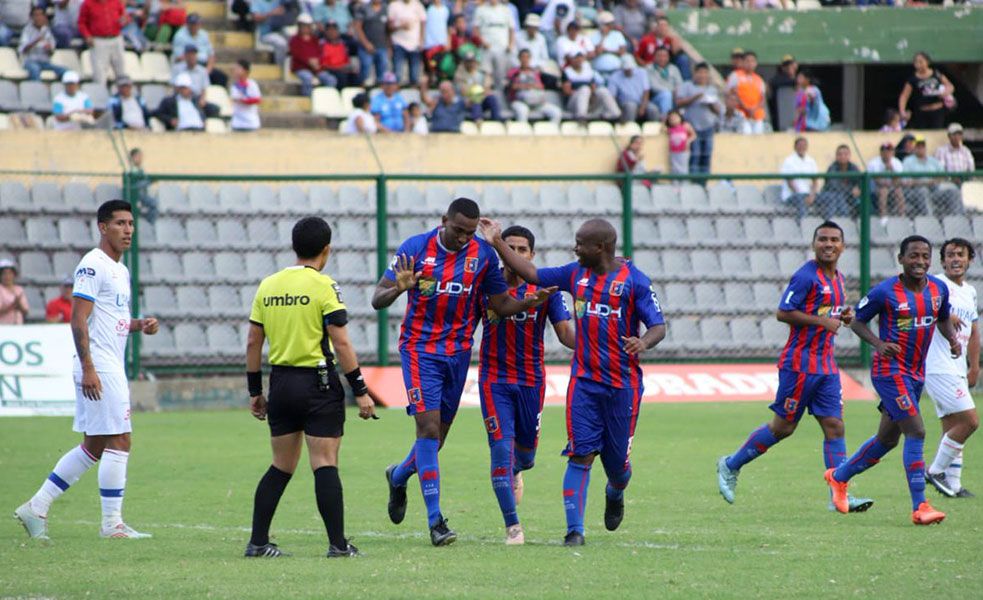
{"x": 750, "y": 53}
{"x": 842, "y": 147}
{"x": 360, "y": 100}
{"x": 701, "y": 65}
{"x": 828, "y": 225}
{"x": 134, "y": 152}
{"x": 105, "y": 212}
{"x": 661, "y": 48}
{"x": 520, "y": 231}
{"x": 960, "y": 242}
{"x": 310, "y": 235}
{"x": 37, "y": 7}
{"x": 465, "y": 206}
{"x": 911, "y": 239}
{"x": 242, "y": 62}
{"x": 798, "y": 139}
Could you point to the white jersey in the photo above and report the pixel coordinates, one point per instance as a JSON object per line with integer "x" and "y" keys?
{"x": 962, "y": 299}
{"x": 106, "y": 283}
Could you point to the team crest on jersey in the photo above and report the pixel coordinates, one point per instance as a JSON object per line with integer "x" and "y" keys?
{"x": 904, "y": 402}
{"x": 491, "y": 424}
{"x": 791, "y": 405}
{"x": 427, "y": 286}
{"x": 616, "y": 288}
{"x": 936, "y": 302}
{"x": 579, "y": 308}
{"x": 471, "y": 264}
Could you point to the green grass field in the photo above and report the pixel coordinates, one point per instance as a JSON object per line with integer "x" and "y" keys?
{"x": 192, "y": 477}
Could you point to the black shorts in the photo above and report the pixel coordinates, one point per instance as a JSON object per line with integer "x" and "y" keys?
{"x": 296, "y": 404}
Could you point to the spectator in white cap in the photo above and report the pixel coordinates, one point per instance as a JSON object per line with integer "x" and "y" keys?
{"x": 493, "y": 22}
{"x": 13, "y": 302}
{"x": 611, "y": 45}
{"x": 182, "y": 111}
{"x": 72, "y": 108}
{"x": 632, "y": 91}
{"x": 530, "y": 38}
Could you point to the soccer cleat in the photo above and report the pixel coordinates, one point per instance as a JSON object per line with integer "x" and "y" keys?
{"x": 35, "y": 524}
{"x": 940, "y": 483}
{"x": 441, "y": 534}
{"x": 841, "y": 500}
{"x": 123, "y": 531}
{"x": 926, "y": 515}
{"x": 574, "y": 538}
{"x": 267, "y": 550}
{"x": 726, "y": 480}
{"x": 614, "y": 512}
{"x": 857, "y": 505}
{"x": 336, "y": 552}
{"x": 964, "y": 493}
{"x": 517, "y": 487}
{"x": 514, "y": 536}
{"x": 397, "y": 498}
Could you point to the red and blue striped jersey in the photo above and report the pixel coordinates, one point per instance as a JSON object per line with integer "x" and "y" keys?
{"x": 907, "y": 319}
{"x": 809, "y": 349}
{"x": 442, "y": 310}
{"x": 606, "y": 308}
{"x": 512, "y": 347}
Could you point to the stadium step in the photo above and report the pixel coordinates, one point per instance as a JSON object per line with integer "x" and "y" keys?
{"x": 231, "y": 39}
{"x": 207, "y": 10}
{"x": 280, "y": 88}
{"x": 256, "y": 57}
{"x": 260, "y": 72}
{"x": 285, "y": 104}
{"x": 293, "y": 120}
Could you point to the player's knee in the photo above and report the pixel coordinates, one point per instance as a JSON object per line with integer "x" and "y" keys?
{"x": 583, "y": 460}
{"x": 972, "y": 422}
{"x": 833, "y": 428}
{"x": 119, "y": 442}
{"x": 781, "y": 429}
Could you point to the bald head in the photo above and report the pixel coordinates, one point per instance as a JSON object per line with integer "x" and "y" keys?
{"x": 595, "y": 242}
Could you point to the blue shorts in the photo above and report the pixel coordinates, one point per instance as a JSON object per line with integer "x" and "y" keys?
{"x": 512, "y": 411}
{"x": 821, "y": 394}
{"x": 434, "y": 382}
{"x": 899, "y": 395}
{"x": 601, "y": 419}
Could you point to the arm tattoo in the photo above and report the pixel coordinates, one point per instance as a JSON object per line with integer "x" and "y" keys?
{"x": 80, "y": 333}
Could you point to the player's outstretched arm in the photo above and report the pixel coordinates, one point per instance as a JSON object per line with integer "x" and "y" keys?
{"x": 81, "y": 309}
{"x": 388, "y": 290}
{"x": 885, "y": 349}
{"x": 492, "y": 232}
{"x": 506, "y": 305}
{"x": 797, "y": 318}
{"x": 348, "y": 361}
{"x": 146, "y": 325}
{"x": 254, "y": 360}
{"x": 973, "y": 355}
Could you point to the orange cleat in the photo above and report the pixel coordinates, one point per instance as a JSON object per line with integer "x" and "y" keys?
{"x": 840, "y": 499}
{"x": 926, "y": 515}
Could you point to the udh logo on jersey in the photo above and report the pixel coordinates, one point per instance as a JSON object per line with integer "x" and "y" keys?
{"x": 596, "y": 309}
{"x": 432, "y": 287}
{"x": 909, "y": 323}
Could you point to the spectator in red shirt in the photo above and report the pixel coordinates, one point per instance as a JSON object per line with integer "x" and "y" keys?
{"x": 334, "y": 57}
{"x": 305, "y": 56}
{"x": 59, "y": 310}
{"x": 660, "y": 36}
{"x": 100, "y": 24}
{"x": 461, "y": 36}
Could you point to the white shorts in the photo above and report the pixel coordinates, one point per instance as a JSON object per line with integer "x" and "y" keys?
{"x": 949, "y": 393}
{"x": 110, "y": 415}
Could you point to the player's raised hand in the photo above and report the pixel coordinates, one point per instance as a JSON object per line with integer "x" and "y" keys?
{"x": 846, "y": 316}
{"x": 888, "y": 350}
{"x": 543, "y": 295}
{"x": 406, "y": 278}
{"x": 490, "y": 229}
{"x": 633, "y": 345}
{"x": 91, "y": 386}
{"x": 150, "y": 326}
{"x": 257, "y": 406}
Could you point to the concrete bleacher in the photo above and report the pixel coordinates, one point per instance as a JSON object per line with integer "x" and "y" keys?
{"x": 718, "y": 269}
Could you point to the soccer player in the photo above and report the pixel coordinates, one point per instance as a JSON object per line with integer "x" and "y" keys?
{"x": 947, "y": 379}
{"x": 510, "y": 380}
{"x": 299, "y": 310}
{"x": 101, "y": 324}
{"x": 446, "y": 272}
{"x": 611, "y": 299}
{"x": 813, "y": 306}
{"x": 909, "y": 307}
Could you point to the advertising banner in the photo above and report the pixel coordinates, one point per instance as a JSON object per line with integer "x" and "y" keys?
{"x": 36, "y": 370}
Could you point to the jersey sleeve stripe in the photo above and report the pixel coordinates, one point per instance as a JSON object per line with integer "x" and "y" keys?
{"x": 83, "y": 296}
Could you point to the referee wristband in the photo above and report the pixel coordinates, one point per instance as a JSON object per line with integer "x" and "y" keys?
{"x": 357, "y": 382}
{"x": 254, "y": 382}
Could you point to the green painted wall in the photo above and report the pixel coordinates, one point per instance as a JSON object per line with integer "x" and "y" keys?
{"x": 836, "y": 35}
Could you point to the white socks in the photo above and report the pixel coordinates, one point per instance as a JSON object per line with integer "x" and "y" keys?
{"x": 112, "y": 483}
{"x": 67, "y": 471}
{"x": 954, "y": 473}
{"x": 949, "y": 451}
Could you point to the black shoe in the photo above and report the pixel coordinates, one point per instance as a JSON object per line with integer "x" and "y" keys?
{"x": 940, "y": 483}
{"x": 964, "y": 493}
{"x": 574, "y": 538}
{"x": 268, "y": 550}
{"x": 397, "y": 498}
{"x": 350, "y": 550}
{"x": 614, "y": 512}
{"x": 441, "y": 534}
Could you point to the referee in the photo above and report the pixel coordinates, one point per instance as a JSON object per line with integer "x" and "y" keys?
{"x": 300, "y": 312}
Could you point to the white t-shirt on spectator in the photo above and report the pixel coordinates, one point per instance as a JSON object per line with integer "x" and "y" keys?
{"x": 368, "y": 122}
{"x": 876, "y": 165}
{"x": 64, "y": 104}
{"x": 188, "y": 116}
{"x": 132, "y": 113}
{"x": 565, "y": 47}
{"x": 244, "y": 116}
{"x": 493, "y": 24}
{"x": 797, "y": 164}
{"x": 401, "y": 13}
